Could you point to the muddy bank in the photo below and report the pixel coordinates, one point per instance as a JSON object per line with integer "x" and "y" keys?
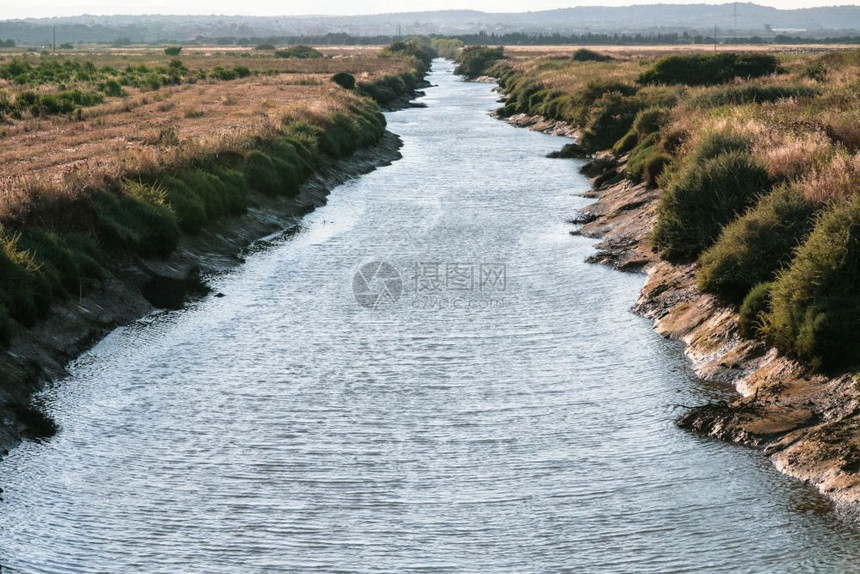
{"x": 134, "y": 286}
{"x": 808, "y": 424}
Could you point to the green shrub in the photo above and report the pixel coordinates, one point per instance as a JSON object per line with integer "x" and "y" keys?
{"x": 610, "y": 118}
{"x": 65, "y": 260}
{"x": 220, "y": 73}
{"x": 235, "y": 190}
{"x": 389, "y": 88}
{"x": 288, "y": 151}
{"x": 187, "y": 205}
{"x": 654, "y": 167}
{"x": 474, "y": 61}
{"x": 816, "y": 71}
{"x": 264, "y": 47}
{"x": 341, "y": 136}
{"x": 715, "y": 144}
{"x": 746, "y": 94}
{"x": 626, "y": 143}
{"x": 344, "y": 80}
{"x": 418, "y": 49}
{"x": 289, "y": 176}
{"x": 152, "y": 81}
{"x": 377, "y": 92}
{"x": 305, "y": 137}
{"x": 173, "y": 50}
{"x": 754, "y": 247}
{"x": 141, "y": 224}
{"x": 24, "y": 289}
{"x": 448, "y": 48}
{"x": 209, "y": 189}
{"x": 753, "y": 309}
{"x": 112, "y": 88}
{"x": 709, "y": 69}
{"x": 640, "y": 154}
{"x": 260, "y": 173}
{"x": 815, "y": 303}
{"x": 701, "y": 199}
{"x": 303, "y": 52}
{"x": 650, "y": 121}
{"x": 586, "y": 55}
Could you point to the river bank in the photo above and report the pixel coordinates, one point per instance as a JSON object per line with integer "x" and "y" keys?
{"x": 807, "y": 424}
{"x": 134, "y": 286}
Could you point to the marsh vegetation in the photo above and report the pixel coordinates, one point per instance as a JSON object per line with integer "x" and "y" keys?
{"x": 757, "y": 159}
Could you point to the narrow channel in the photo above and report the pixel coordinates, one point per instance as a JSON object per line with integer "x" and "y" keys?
{"x": 496, "y": 409}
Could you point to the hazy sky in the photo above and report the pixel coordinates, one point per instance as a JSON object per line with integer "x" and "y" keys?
{"x": 43, "y": 8}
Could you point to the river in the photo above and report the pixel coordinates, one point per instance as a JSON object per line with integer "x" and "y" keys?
{"x": 425, "y": 377}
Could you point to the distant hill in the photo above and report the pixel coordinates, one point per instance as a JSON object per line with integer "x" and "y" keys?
{"x": 743, "y": 18}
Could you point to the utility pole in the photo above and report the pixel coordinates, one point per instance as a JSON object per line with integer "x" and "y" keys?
{"x": 715, "y": 38}
{"x": 54, "y": 30}
{"x": 735, "y": 29}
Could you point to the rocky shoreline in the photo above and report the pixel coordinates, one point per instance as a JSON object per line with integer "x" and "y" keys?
{"x": 807, "y": 424}
{"x": 133, "y": 287}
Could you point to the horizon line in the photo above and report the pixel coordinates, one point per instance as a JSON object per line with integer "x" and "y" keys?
{"x": 369, "y": 14}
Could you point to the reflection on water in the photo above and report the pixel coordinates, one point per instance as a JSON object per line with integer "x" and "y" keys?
{"x": 287, "y": 428}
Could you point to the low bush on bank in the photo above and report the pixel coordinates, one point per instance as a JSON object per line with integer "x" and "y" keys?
{"x": 448, "y": 48}
{"x": 301, "y": 52}
{"x": 754, "y": 247}
{"x": 475, "y": 61}
{"x": 586, "y": 55}
{"x": 626, "y": 143}
{"x": 187, "y": 205}
{"x": 753, "y": 309}
{"x": 145, "y": 225}
{"x": 260, "y": 173}
{"x": 388, "y": 89}
{"x": 610, "y": 118}
{"x": 650, "y": 121}
{"x": 344, "y": 80}
{"x": 419, "y": 49}
{"x": 815, "y": 303}
{"x": 647, "y": 148}
{"x": 715, "y": 144}
{"x": 709, "y": 69}
{"x": 38, "y": 266}
{"x": 654, "y": 167}
{"x": 751, "y": 94}
{"x": 703, "y": 197}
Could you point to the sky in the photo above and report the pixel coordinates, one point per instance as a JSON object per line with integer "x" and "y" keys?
{"x": 46, "y": 8}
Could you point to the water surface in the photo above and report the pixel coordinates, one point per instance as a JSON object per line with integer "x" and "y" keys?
{"x": 518, "y": 423}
